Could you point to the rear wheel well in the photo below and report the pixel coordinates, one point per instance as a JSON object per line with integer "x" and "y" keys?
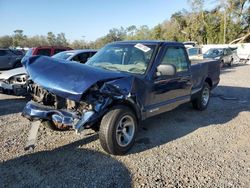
{"x": 209, "y": 81}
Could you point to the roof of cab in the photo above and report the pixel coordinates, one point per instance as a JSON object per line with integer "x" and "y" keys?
{"x": 156, "y": 42}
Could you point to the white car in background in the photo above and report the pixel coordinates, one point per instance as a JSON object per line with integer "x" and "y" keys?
{"x": 14, "y": 81}
{"x": 195, "y": 53}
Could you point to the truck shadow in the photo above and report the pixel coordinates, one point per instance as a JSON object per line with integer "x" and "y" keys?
{"x": 66, "y": 166}
{"x": 226, "y": 103}
{"x": 12, "y": 105}
{"x": 233, "y": 68}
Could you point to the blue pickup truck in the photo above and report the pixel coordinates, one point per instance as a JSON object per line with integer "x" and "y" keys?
{"x": 119, "y": 87}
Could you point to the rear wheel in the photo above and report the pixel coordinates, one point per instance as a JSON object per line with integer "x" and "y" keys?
{"x": 118, "y": 130}
{"x": 202, "y": 100}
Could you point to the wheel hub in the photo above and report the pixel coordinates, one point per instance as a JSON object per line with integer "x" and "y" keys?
{"x": 125, "y": 131}
{"x": 205, "y": 96}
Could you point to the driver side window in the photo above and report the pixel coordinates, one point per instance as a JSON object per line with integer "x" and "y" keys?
{"x": 176, "y": 56}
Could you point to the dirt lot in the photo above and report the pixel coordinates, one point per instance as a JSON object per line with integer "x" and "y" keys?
{"x": 182, "y": 148}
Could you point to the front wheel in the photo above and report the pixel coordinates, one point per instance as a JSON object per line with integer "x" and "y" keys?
{"x": 221, "y": 64}
{"x": 118, "y": 130}
{"x": 231, "y": 63}
{"x": 202, "y": 100}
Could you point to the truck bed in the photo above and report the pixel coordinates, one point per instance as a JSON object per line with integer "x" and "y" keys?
{"x": 204, "y": 70}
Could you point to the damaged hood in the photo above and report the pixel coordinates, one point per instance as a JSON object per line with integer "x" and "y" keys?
{"x": 66, "y": 79}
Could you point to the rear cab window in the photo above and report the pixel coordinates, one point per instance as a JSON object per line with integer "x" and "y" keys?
{"x": 57, "y": 50}
{"x": 176, "y": 56}
{"x": 44, "y": 51}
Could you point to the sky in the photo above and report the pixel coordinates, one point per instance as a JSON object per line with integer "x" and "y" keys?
{"x": 79, "y": 19}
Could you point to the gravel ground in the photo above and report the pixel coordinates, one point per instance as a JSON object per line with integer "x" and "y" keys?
{"x": 182, "y": 148}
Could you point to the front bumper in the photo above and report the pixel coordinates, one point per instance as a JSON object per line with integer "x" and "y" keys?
{"x": 16, "y": 89}
{"x": 35, "y": 111}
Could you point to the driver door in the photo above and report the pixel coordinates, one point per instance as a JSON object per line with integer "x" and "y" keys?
{"x": 169, "y": 92}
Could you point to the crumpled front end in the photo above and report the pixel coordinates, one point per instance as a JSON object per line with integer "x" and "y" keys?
{"x": 65, "y": 113}
{"x": 72, "y": 95}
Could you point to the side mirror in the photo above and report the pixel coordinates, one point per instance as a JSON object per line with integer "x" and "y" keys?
{"x": 166, "y": 70}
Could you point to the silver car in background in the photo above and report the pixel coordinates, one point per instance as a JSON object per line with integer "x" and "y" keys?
{"x": 10, "y": 59}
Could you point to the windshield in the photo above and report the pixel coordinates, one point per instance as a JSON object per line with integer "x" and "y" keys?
{"x": 132, "y": 58}
{"x": 63, "y": 55}
{"x": 214, "y": 52}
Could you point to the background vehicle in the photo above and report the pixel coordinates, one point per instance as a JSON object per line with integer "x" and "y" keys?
{"x": 121, "y": 85}
{"x": 190, "y": 44}
{"x": 14, "y": 81}
{"x": 46, "y": 50}
{"x": 80, "y": 56}
{"x": 10, "y": 59}
{"x": 195, "y": 53}
{"x": 224, "y": 55}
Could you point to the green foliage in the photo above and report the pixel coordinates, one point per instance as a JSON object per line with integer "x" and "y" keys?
{"x": 5, "y": 41}
{"x": 19, "y": 38}
{"x": 61, "y": 40}
{"x": 37, "y": 40}
{"x": 51, "y": 38}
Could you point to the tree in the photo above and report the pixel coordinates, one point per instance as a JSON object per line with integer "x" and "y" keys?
{"x": 143, "y": 33}
{"x": 131, "y": 31}
{"x": 51, "y": 38}
{"x": 116, "y": 35}
{"x": 196, "y": 5}
{"x": 5, "y": 41}
{"x": 238, "y": 14}
{"x": 157, "y": 32}
{"x": 80, "y": 44}
{"x": 37, "y": 40}
{"x": 61, "y": 40}
{"x": 19, "y": 38}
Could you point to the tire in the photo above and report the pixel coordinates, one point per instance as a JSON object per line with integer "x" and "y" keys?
{"x": 221, "y": 64}
{"x": 114, "y": 137}
{"x": 231, "y": 63}
{"x": 202, "y": 100}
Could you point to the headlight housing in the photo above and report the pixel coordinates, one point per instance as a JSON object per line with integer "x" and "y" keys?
{"x": 18, "y": 79}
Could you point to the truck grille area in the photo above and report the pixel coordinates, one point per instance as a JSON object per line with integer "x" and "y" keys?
{"x": 44, "y": 97}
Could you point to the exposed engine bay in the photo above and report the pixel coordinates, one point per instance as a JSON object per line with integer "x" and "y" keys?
{"x": 92, "y": 103}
